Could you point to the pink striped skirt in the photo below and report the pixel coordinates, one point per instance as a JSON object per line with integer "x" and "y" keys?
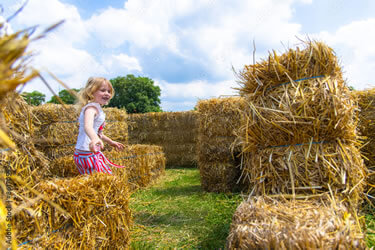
{"x": 89, "y": 162}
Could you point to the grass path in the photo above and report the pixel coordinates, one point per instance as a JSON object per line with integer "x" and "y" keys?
{"x": 176, "y": 213}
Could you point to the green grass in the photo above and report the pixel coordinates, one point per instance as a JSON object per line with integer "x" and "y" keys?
{"x": 370, "y": 224}
{"x": 176, "y": 213}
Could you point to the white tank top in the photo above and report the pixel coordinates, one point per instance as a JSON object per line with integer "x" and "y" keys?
{"x": 83, "y": 139}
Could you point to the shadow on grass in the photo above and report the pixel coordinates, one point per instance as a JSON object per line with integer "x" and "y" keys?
{"x": 178, "y": 191}
{"x": 216, "y": 238}
{"x": 168, "y": 219}
{"x": 185, "y": 167}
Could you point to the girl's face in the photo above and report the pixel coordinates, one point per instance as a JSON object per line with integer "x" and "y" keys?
{"x": 103, "y": 94}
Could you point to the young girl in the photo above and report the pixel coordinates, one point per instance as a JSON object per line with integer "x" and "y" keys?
{"x": 87, "y": 155}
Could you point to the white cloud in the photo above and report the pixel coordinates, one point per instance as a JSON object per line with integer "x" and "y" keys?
{"x": 115, "y": 26}
{"x": 58, "y": 51}
{"x": 177, "y": 105}
{"x": 46, "y": 13}
{"x": 196, "y": 89}
{"x": 354, "y": 44}
{"x": 121, "y": 63}
{"x": 219, "y": 33}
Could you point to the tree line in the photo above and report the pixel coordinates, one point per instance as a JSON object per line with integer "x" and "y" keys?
{"x": 134, "y": 94}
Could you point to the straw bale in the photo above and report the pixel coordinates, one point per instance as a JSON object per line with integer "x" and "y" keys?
{"x": 306, "y": 169}
{"x": 162, "y": 120}
{"x": 143, "y": 164}
{"x": 219, "y": 176}
{"x": 54, "y": 152}
{"x": 264, "y": 223}
{"x": 219, "y": 116}
{"x": 171, "y": 130}
{"x": 62, "y": 133}
{"x": 315, "y": 59}
{"x": 218, "y": 119}
{"x": 177, "y": 155}
{"x": 366, "y": 125}
{"x": 50, "y": 113}
{"x": 115, "y": 114}
{"x": 64, "y": 167}
{"x": 17, "y": 119}
{"x": 215, "y": 148}
{"x": 293, "y": 113}
{"x": 165, "y": 137}
{"x": 95, "y": 214}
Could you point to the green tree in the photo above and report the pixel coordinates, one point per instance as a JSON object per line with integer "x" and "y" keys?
{"x": 34, "y": 98}
{"x": 135, "y": 94}
{"x": 65, "y": 96}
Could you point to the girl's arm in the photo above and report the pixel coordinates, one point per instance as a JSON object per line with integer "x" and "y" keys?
{"x": 90, "y": 113}
{"x": 117, "y": 145}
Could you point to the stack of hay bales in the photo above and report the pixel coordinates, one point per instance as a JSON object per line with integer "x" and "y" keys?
{"x": 299, "y": 133}
{"x": 176, "y": 132}
{"x": 32, "y": 207}
{"x": 299, "y": 137}
{"x": 58, "y": 128}
{"x": 366, "y": 125}
{"x": 41, "y": 206}
{"x": 58, "y": 133}
{"x": 218, "y": 165}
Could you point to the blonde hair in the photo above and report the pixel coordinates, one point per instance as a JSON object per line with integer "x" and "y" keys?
{"x": 86, "y": 95}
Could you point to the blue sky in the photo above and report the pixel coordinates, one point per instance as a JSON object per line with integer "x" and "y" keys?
{"x": 188, "y": 47}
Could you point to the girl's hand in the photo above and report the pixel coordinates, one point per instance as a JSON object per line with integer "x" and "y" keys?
{"x": 96, "y": 145}
{"x": 117, "y": 145}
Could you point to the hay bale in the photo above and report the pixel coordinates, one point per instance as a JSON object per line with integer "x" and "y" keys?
{"x": 176, "y": 132}
{"x": 17, "y": 119}
{"x": 264, "y": 223}
{"x": 219, "y": 176}
{"x": 50, "y": 113}
{"x": 177, "y": 155}
{"x": 306, "y": 169}
{"x": 294, "y": 113}
{"x": 143, "y": 164}
{"x": 314, "y": 60}
{"x": 218, "y": 119}
{"x": 366, "y": 125}
{"x": 54, "y": 152}
{"x": 95, "y": 213}
{"x": 65, "y": 133}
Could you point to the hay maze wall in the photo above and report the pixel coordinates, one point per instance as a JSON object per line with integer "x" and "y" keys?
{"x": 298, "y": 140}
{"x": 55, "y": 207}
{"x": 175, "y": 132}
{"x": 218, "y": 160}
